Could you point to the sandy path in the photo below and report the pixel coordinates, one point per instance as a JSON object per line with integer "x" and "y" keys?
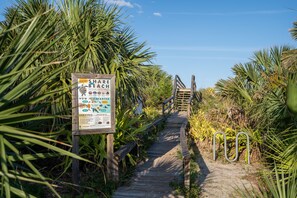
{"x": 221, "y": 178}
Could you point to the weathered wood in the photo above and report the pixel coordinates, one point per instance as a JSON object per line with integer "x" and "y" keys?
{"x": 152, "y": 126}
{"x": 168, "y": 100}
{"x": 179, "y": 82}
{"x": 75, "y": 162}
{"x": 75, "y": 138}
{"x": 187, "y": 171}
{"x": 185, "y": 154}
{"x": 124, "y": 150}
{"x": 153, "y": 176}
{"x": 141, "y": 187}
{"x": 168, "y": 106}
{"x": 189, "y": 106}
{"x": 183, "y": 139}
{"x": 120, "y": 154}
{"x": 111, "y": 162}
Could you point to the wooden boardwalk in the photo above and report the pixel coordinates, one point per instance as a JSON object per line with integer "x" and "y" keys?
{"x": 152, "y": 177}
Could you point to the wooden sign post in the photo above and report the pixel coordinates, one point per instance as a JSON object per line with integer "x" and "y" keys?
{"x": 93, "y": 112}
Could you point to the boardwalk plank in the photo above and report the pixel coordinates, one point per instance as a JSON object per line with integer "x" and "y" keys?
{"x": 152, "y": 178}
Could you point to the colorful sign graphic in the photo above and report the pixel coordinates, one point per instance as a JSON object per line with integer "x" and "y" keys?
{"x": 94, "y": 103}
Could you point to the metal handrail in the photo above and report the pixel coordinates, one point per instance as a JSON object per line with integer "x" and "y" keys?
{"x": 236, "y": 146}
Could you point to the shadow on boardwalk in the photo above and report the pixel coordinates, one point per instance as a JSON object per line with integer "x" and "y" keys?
{"x": 203, "y": 169}
{"x": 152, "y": 178}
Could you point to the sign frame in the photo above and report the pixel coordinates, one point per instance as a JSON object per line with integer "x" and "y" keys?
{"x": 75, "y": 103}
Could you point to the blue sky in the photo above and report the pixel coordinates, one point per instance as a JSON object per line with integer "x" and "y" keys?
{"x": 206, "y": 38}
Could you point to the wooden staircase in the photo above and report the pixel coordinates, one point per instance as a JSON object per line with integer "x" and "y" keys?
{"x": 182, "y": 98}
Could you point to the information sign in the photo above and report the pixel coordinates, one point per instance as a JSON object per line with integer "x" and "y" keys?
{"x": 93, "y": 103}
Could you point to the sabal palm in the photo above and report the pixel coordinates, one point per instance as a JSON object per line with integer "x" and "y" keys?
{"x": 24, "y": 80}
{"x": 94, "y": 40}
{"x": 98, "y": 42}
{"x": 259, "y": 87}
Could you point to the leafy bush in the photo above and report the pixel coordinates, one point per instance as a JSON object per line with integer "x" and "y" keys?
{"x": 158, "y": 87}
{"x": 151, "y": 113}
{"x": 201, "y": 128}
{"x": 23, "y": 94}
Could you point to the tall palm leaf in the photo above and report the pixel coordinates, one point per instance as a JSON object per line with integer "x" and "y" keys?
{"x": 293, "y": 30}
{"x": 21, "y": 83}
{"x": 99, "y": 42}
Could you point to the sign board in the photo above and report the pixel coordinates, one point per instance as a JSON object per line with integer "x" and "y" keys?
{"x": 93, "y": 104}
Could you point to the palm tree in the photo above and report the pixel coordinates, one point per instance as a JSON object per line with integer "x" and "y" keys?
{"x": 259, "y": 88}
{"x": 24, "y": 80}
{"x": 289, "y": 61}
{"x": 158, "y": 87}
{"x": 41, "y": 45}
{"x": 104, "y": 45}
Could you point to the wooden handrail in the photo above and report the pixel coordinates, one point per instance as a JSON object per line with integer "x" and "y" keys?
{"x": 168, "y": 99}
{"x": 122, "y": 152}
{"x": 185, "y": 154}
{"x": 180, "y": 82}
{"x": 183, "y": 136}
{"x": 168, "y": 104}
{"x": 193, "y": 92}
{"x": 167, "y": 107}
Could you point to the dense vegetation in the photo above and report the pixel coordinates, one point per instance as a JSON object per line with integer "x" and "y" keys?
{"x": 260, "y": 99}
{"x": 41, "y": 45}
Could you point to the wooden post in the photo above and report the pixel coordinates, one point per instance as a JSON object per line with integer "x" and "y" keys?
{"x": 111, "y": 161}
{"x": 189, "y": 109}
{"x": 75, "y": 162}
{"x": 186, "y": 163}
{"x": 116, "y": 176}
{"x": 75, "y": 136}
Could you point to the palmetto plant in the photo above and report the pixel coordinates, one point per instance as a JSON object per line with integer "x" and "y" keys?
{"x": 24, "y": 80}
{"x": 259, "y": 88}
{"x": 158, "y": 87}
{"x": 41, "y": 44}
{"x": 276, "y": 184}
{"x": 97, "y": 41}
{"x": 265, "y": 88}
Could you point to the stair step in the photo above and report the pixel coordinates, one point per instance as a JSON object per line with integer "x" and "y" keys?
{"x": 182, "y": 99}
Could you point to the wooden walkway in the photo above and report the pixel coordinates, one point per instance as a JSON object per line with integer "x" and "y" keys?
{"x": 152, "y": 177}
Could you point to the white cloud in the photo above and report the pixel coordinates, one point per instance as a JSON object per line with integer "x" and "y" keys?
{"x": 120, "y": 3}
{"x": 158, "y": 14}
{"x": 139, "y": 7}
